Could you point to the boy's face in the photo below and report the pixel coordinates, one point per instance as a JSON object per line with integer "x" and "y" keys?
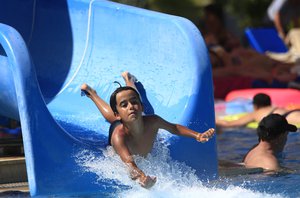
{"x": 129, "y": 106}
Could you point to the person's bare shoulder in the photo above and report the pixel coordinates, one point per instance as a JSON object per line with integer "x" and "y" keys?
{"x": 262, "y": 160}
{"x": 152, "y": 121}
{"x": 280, "y": 111}
{"x": 270, "y": 163}
{"x": 151, "y": 118}
{"x": 118, "y": 134}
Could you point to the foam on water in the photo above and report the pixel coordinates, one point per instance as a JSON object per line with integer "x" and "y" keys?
{"x": 174, "y": 179}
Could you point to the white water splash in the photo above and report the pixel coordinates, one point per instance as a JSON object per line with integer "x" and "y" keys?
{"x": 174, "y": 179}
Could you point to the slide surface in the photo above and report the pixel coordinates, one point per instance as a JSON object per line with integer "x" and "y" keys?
{"x": 51, "y": 47}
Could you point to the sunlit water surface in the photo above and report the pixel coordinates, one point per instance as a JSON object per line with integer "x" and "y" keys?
{"x": 175, "y": 179}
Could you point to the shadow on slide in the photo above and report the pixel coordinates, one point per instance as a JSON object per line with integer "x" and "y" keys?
{"x": 52, "y": 46}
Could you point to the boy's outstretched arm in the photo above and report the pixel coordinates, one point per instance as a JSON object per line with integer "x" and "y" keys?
{"x": 122, "y": 150}
{"x": 184, "y": 131}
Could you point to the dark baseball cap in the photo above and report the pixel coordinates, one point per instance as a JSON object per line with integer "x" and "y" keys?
{"x": 273, "y": 125}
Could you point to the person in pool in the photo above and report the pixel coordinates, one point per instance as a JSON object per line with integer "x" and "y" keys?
{"x": 272, "y": 135}
{"x": 132, "y": 133}
{"x": 262, "y": 106}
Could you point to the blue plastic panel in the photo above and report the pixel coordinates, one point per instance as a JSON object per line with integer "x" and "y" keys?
{"x": 265, "y": 39}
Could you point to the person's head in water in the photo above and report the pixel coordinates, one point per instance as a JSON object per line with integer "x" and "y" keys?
{"x": 274, "y": 126}
{"x": 261, "y": 100}
{"x": 113, "y": 97}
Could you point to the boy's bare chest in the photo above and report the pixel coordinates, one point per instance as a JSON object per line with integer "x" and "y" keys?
{"x": 144, "y": 144}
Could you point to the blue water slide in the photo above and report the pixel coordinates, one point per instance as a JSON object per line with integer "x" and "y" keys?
{"x": 50, "y": 47}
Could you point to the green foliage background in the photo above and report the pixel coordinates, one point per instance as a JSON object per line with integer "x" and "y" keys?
{"x": 249, "y": 12}
{"x": 246, "y": 12}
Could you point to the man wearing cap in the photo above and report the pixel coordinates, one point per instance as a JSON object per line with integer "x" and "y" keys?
{"x": 272, "y": 135}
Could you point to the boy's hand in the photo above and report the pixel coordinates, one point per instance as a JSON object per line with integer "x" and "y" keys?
{"x": 147, "y": 181}
{"x": 144, "y": 180}
{"x": 204, "y": 137}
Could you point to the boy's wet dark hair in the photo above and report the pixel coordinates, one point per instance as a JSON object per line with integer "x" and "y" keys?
{"x": 113, "y": 97}
{"x": 273, "y": 125}
{"x": 261, "y": 100}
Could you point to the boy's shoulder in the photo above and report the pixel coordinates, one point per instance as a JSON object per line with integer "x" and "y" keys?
{"x": 152, "y": 119}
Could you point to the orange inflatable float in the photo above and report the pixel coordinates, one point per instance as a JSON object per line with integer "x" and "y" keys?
{"x": 285, "y": 98}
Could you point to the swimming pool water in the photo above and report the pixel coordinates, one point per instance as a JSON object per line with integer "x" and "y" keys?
{"x": 178, "y": 180}
{"x": 234, "y": 144}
